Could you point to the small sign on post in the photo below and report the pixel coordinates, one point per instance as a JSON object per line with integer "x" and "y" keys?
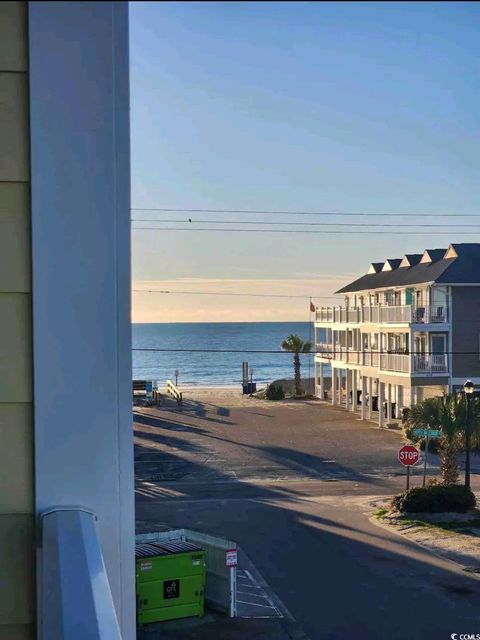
{"x": 231, "y": 558}
{"x": 408, "y": 456}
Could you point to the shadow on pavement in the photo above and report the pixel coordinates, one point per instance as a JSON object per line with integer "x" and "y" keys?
{"x": 338, "y": 574}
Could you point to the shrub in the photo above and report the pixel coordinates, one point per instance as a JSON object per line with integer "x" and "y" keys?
{"x": 451, "y": 497}
{"x": 275, "y": 392}
{"x": 414, "y": 500}
{"x": 436, "y": 498}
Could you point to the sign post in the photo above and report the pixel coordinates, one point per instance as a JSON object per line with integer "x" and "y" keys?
{"x": 427, "y": 434}
{"x": 408, "y": 455}
{"x": 176, "y": 377}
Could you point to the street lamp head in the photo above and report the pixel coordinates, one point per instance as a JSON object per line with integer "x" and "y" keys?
{"x": 469, "y": 387}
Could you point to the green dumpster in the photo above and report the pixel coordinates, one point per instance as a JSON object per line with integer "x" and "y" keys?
{"x": 170, "y": 580}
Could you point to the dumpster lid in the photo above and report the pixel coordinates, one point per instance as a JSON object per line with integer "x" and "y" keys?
{"x": 150, "y": 549}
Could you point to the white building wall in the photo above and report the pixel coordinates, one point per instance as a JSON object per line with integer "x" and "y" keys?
{"x": 79, "y": 103}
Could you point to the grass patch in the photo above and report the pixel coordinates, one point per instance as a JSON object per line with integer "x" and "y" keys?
{"x": 380, "y": 513}
{"x": 460, "y": 527}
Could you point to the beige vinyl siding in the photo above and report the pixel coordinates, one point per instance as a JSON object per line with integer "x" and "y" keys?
{"x": 17, "y": 550}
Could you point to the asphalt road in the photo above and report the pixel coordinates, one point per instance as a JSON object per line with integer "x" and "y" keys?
{"x": 292, "y": 484}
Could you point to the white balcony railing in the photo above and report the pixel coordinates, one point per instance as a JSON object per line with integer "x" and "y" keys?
{"x": 76, "y": 601}
{"x": 418, "y": 363}
{"x": 395, "y": 362}
{"x": 383, "y": 315}
{"x": 430, "y": 363}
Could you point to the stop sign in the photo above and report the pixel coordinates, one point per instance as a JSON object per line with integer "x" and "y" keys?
{"x": 408, "y": 455}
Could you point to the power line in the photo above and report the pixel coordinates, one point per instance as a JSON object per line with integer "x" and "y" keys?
{"x": 308, "y": 213}
{"x": 307, "y": 224}
{"x": 296, "y": 231}
{"x": 221, "y": 293}
{"x": 427, "y": 353}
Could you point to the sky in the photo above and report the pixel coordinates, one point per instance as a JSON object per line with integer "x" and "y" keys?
{"x": 347, "y": 107}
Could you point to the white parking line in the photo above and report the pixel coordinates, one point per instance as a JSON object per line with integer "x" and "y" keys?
{"x": 255, "y": 595}
{"x": 255, "y": 604}
{"x": 249, "y": 582}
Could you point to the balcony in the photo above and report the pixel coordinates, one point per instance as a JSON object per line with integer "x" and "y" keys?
{"x": 430, "y": 363}
{"x": 417, "y": 364}
{"x": 406, "y": 314}
{"x": 397, "y": 362}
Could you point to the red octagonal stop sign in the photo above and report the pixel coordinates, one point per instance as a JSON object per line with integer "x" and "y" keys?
{"x": 408, "y": 455}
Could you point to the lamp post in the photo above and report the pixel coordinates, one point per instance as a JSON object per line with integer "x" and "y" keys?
{"x": 468, "y": 389}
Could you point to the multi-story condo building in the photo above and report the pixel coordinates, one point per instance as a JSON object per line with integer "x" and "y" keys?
{"x": 409, "y": 329}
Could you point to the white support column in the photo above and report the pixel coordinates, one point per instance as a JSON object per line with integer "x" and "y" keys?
{"x": 381, "y": 399}
{"x": 334, "y": 386}
{"x": 412, "y": 350}
{"x": 370, "y": 398}
{"x": 80, "y": 199}
{"x": 364, "y": 393}
{"x": 354, "y": 373}
{"x": 389, "y": 402}
{"x": 348, "y": 387}
{"x": 400, "y": 400}
{"x": 322, "y": 382}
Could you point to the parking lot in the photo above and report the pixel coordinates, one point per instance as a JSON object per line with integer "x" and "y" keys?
{"x": 291, "y": 483}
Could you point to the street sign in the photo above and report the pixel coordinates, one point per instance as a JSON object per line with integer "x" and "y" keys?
{"x": 408, "y": 455}
{"x": 424, "y": 433}
{"x": 231, "y": 558}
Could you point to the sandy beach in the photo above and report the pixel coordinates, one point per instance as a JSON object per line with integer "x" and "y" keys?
{"x": 231, "y": 395}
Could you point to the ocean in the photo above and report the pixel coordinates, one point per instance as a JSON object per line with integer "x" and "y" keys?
{"x": 216, "y": 369}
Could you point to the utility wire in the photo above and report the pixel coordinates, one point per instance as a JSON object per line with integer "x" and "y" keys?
{"x": 310, "y": 232}
{"x": 309, "y": 213}
{"x": 290, "y": 352}
{"x": 221, "y": 293}
{"x": 307, "y": 224}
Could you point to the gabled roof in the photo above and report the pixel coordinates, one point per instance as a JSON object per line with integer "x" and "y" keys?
{"x": 432, "y": 255}
{"x": 375, "y": 267}
{"x": 391, "y": 264}
{"x": 437, "y": 265}
{"x": 410, "y": 259}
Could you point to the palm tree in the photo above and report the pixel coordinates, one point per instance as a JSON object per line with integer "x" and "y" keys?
{"x": 449, "y": 413}
{"x": 296, "y": 345}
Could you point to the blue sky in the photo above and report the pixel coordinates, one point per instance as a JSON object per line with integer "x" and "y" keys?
{"x": 298, "y": 106}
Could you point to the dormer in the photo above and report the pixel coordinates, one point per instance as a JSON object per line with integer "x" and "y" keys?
{"x": 375, "y": 267}
{"x": 432, "y": 255}
{"x": 391, "y": 264}
{"x": 410, "y": 259}
{"x": 450, "y": 253}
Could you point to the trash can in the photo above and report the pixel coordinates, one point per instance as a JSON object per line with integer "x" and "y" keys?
{"x": 249, "y": 387}
{"x": 170, "y": 581}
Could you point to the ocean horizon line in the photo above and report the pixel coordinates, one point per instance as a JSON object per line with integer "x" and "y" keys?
{"x": 230, "y": 322}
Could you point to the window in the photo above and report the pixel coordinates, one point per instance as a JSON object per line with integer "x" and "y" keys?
{"x": 438, "y": 343}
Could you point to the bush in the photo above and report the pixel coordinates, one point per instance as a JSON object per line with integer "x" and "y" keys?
{"x": 436, "y": 498}
{"x": 414, "y": 500}
{"x": 275, "y": 392}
